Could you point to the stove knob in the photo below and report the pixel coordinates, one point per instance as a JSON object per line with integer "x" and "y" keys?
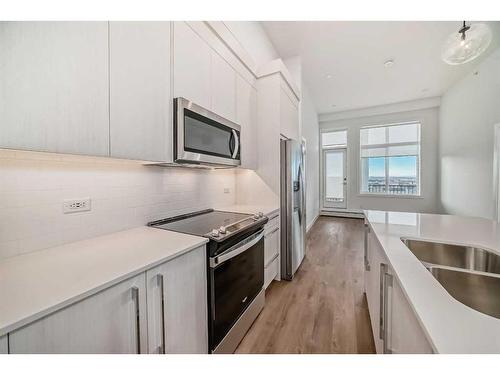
{"x": 256, "y": 217}
{"x": 215, "y": 233}
{"x": 261, "y": 214}
{"x": 222, "y": 230}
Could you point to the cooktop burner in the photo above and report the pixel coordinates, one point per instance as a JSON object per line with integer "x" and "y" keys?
{"x": 216, "y": 225}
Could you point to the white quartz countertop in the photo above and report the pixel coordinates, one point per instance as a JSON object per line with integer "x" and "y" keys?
{"x": 268, "y": 210}
{"x": 36, "y": 284}
{"x": 450, "y": 326}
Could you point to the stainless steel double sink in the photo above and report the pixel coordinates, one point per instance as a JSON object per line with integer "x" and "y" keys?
{"x": 471, "y": 275}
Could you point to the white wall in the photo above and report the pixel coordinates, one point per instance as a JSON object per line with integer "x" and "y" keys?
{"x": 310, "y": 131}
{"x": 253, "y": 38}
{"x": 469, "y": 110}
{"x": 354, "y": 120}
{"x": 124, "y": 195}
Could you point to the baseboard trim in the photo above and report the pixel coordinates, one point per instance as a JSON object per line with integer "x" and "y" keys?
{"x": 308, "y": 228}
{"x": 349, "y": 214}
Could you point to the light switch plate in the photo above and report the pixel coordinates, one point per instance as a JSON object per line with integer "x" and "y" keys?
{"x": 76, "y": 205}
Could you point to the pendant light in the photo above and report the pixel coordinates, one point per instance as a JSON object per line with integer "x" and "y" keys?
{"x": 467, "y": 44}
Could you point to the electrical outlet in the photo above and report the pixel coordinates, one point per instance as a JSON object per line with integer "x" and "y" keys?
{"x": 76, "y": 205}
{"x": 227, "y": 190}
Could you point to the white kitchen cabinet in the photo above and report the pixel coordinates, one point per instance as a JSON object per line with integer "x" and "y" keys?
{"x": 223, "y": 87}
{"x": 111, "y": 321}
{"x": 271, "y": 246}
{"x": 276, "y": 113}
{"x": 374, "y": 287}
{"x": 405, "y": 335}
{"x": 177, "y": 305}
{"x": 54, "y": 87}
{"x": 289, "y": 124}
{"x": 271, "y": 251}
{"x": 394, "y": 324}
{"x": 140, "y": 100}
{"x": 246, "y": 117}
{"x": 4, "y": 346}
{"x": 191, "y": 66}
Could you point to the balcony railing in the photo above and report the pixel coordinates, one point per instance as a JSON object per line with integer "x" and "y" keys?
{"x": 397, "y": 189}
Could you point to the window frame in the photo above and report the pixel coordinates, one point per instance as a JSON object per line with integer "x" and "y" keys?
{"x": 333, "y": 130}
{"x": 362, "y": 193}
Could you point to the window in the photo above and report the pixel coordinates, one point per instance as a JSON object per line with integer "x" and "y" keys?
{"x": 334, "y": 139}
{"x": 390, "y": 159}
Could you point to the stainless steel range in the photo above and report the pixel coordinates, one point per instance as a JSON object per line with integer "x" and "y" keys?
{"x": 235, "y": 263}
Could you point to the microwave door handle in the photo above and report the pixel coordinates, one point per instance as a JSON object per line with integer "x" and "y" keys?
{"x": 236, "y": 143}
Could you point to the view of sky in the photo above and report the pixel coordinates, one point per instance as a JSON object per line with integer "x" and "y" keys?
{"x": 399, "y": 166}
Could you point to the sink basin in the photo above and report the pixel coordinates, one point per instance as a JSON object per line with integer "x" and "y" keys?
{"x": 465, "y": 257}
{"x": 478, "y": 291}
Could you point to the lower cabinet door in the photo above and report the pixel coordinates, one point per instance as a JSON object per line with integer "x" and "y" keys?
{"x": 177, "y": 305}
{"x": 405, "y": 335}
{"x": 111, "y": 321}
{"x": 4, "y": 347}
{"x": 374, "y": 288}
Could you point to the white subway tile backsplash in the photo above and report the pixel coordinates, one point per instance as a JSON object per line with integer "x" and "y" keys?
{"x": 124, "y": 194}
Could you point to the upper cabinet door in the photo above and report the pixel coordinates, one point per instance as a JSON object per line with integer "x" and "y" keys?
{"x": 191, "y": 72}
{"x": 223, "y": 88}
{"x": 54, "y": 87}
{"x": 140, "y": 101}
{"x": 289, "y": 114}
{"x": 246, "y": 117}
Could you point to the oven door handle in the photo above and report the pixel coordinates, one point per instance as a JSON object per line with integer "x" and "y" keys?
{"x": 230, "y": 253}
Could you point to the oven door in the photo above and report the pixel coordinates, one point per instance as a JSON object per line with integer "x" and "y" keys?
{"x": 236, "y": 278}
{"x": 203, "y": 137}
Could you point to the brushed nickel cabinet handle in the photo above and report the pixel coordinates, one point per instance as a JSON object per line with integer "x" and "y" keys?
{"x": 161, "y": 348}
{"x": 381, "y": 326}
{"x": 367, "y": 263}
{"x": 388, "y": 280}
{"x": 135, "y": 298}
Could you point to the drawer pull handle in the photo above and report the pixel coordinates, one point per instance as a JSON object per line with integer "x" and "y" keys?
{"x": 161, "y": 349}
{"x": 135, "y": 298}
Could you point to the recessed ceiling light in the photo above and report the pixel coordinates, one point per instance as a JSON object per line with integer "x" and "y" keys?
{"x": 389, "y": 63}
{"x": 329, "y": 76}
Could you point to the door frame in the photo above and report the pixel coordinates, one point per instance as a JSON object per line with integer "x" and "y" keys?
{"x": 324, "y": 152}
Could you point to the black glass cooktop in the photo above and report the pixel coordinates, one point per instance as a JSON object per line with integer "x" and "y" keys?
{"x": 224, "y": 229}
{"x": 201, "y": 223}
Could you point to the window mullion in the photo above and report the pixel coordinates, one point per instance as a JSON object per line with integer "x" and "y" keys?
{"x": 386, "y": 163}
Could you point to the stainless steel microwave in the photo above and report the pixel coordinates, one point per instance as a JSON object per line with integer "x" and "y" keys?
{"x": 203, "y": 137}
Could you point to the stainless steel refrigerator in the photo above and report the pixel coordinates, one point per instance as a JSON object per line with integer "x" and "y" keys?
{"x": 293, "y": 207}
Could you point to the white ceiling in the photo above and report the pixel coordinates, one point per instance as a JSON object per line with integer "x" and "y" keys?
{"x": 354, "y": 52}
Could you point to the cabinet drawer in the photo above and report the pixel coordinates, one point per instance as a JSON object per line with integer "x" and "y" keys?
{"x": 272, "y": 224}
{"x": 271, "y": 246}
{"x": 270, "y": 272}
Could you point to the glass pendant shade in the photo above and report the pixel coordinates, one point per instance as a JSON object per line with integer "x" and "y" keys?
{"x": 461, "y": 48}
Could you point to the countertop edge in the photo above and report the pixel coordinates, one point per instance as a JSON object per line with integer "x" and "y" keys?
{"x": 23, "y": 321}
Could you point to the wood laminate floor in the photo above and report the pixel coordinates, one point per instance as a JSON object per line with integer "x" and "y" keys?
{"x": 324, "y": 309}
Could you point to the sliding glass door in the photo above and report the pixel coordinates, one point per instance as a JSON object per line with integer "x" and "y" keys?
{"x": 334, "y": 178}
